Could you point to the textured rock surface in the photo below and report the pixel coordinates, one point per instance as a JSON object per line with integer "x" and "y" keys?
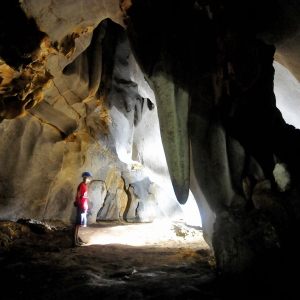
{"x": 235, "y": 128}
{"x": 205, "y": 69}
{"x": 38, "y": 263}
{"x": 98, "y": 114}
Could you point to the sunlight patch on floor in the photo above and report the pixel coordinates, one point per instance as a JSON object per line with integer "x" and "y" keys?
{"x": 160, "y": 233}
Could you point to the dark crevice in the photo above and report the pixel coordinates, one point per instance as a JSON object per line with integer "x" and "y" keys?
{"x": 19, "y": 36}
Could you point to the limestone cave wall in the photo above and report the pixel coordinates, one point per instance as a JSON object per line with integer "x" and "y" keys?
{"x": 126, "y": 88}
{"x": 94, "y": 111}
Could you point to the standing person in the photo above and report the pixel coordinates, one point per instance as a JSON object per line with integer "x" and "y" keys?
{"x": 82, "y": 206}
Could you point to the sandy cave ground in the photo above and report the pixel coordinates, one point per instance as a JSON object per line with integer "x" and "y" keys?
{"x": 159, "y": 260}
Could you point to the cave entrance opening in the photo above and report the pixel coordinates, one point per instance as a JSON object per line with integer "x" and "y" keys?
{"x": 287, "y": 91}
{"x": 191, "y": 212}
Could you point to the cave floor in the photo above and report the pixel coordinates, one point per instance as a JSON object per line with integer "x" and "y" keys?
{"x": 120, "y": 261}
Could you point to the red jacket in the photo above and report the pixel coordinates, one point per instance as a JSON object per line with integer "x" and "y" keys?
{"x": 82, "y": 196}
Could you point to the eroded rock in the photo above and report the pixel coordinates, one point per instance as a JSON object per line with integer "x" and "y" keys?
{"x": 210, "y": 66}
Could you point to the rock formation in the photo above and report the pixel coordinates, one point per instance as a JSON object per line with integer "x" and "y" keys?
{"x": 97, "y": 114}
{"x": 90, "y": 85}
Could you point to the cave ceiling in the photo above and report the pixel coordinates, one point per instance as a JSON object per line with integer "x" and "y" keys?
{"x": 157, "y": 99}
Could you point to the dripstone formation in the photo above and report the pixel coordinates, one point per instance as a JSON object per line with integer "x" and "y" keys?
{"x": 155, "y": 99}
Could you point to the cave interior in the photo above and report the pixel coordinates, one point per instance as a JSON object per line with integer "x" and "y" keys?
{"x": 168, "y": 104}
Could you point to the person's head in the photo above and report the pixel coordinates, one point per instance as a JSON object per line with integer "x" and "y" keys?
{"x": 87, "y": 177}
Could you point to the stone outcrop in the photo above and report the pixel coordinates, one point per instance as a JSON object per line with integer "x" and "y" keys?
{"x": 97, "y": 114}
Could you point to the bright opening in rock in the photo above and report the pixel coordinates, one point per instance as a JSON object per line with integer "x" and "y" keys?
{"x": 191, "y": 212}
{"x": 287, "y": 92}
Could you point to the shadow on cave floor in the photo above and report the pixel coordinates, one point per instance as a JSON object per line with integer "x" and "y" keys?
{"x": 39, "y": 262}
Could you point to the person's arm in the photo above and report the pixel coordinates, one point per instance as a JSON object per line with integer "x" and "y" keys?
{"x": 79, "y": 195}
